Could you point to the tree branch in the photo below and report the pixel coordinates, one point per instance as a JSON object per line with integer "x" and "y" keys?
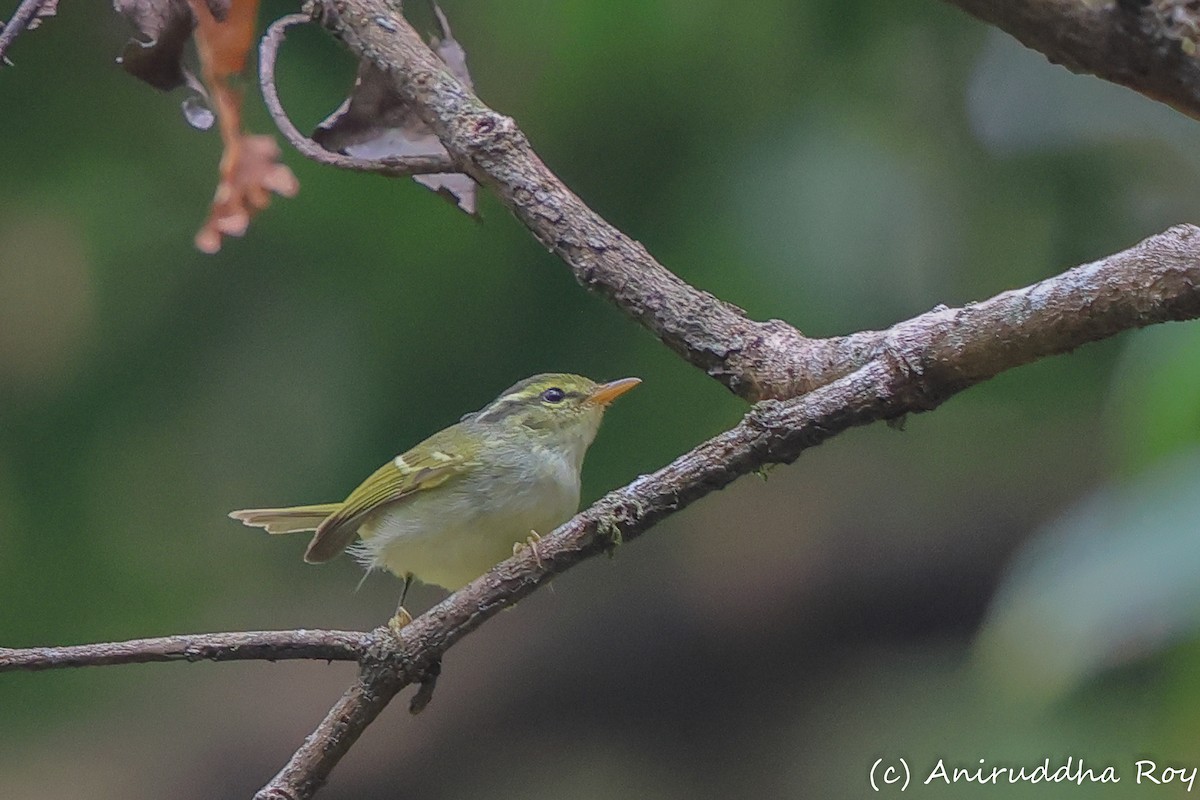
{"x": 1145, "y": 45}
{"x": 310, "y": 765}
{"x": 1154, "y": 281}
{"x": 242, "y": 646}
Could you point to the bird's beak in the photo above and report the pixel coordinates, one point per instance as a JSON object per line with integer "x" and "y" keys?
{"x": 605, "y": 393}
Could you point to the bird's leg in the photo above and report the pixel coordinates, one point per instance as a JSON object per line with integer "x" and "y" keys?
{"x": 402, "y": 617}
{"x": 532, "y": 544}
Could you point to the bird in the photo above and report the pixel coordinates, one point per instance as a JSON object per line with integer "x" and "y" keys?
{"x": 467, "y": 497}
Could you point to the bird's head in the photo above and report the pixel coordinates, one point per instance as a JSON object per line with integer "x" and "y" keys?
{"x": 555, "y": 404}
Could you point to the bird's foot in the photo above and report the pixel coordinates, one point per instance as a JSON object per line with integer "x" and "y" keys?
{"x": 397, "y": 622}
{"x": 532, "y": 543}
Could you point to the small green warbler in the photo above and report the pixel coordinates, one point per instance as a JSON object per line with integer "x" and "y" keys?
{"x": 464, "y": 499}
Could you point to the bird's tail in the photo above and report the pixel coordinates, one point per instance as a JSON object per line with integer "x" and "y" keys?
{"x": 286, "y": 520}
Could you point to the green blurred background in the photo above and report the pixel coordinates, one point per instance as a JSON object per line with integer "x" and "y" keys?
{"x": 1011, "y": 578}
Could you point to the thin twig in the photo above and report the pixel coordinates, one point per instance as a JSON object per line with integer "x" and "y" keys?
{"x": 240, "y": 646}
{"x": 390, "y": 166}
{"x": 26, "y": 13}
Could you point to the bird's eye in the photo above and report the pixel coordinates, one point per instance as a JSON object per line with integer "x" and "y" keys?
{"x": 553, "y": 395}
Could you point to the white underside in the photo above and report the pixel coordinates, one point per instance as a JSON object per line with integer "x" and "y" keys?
{"x": 453, "y": 534}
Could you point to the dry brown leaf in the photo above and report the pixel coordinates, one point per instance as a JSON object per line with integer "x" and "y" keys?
{"x": 163, "y": 26}
{"x": 250, "y": 170}
{"x": 224, "y": 35}
{"x": 375, "y": 122}
{"x": 450, "y": 51}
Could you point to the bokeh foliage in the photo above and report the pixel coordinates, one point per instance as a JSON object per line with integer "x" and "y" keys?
{"x": 838, "y": 165}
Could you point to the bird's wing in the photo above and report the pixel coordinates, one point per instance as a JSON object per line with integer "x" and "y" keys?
{"x": 431, "y": 463}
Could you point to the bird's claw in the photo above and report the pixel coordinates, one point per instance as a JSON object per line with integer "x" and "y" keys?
{"x": 532, "y": 543}
{"x": 396, "y": 623}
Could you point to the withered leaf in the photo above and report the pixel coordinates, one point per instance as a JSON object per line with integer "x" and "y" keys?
{"x": 163, "y": 26}
{"x": 375, "y": 122}
{"x": 450, "y": 51}
{"x": 250, "y": 170}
